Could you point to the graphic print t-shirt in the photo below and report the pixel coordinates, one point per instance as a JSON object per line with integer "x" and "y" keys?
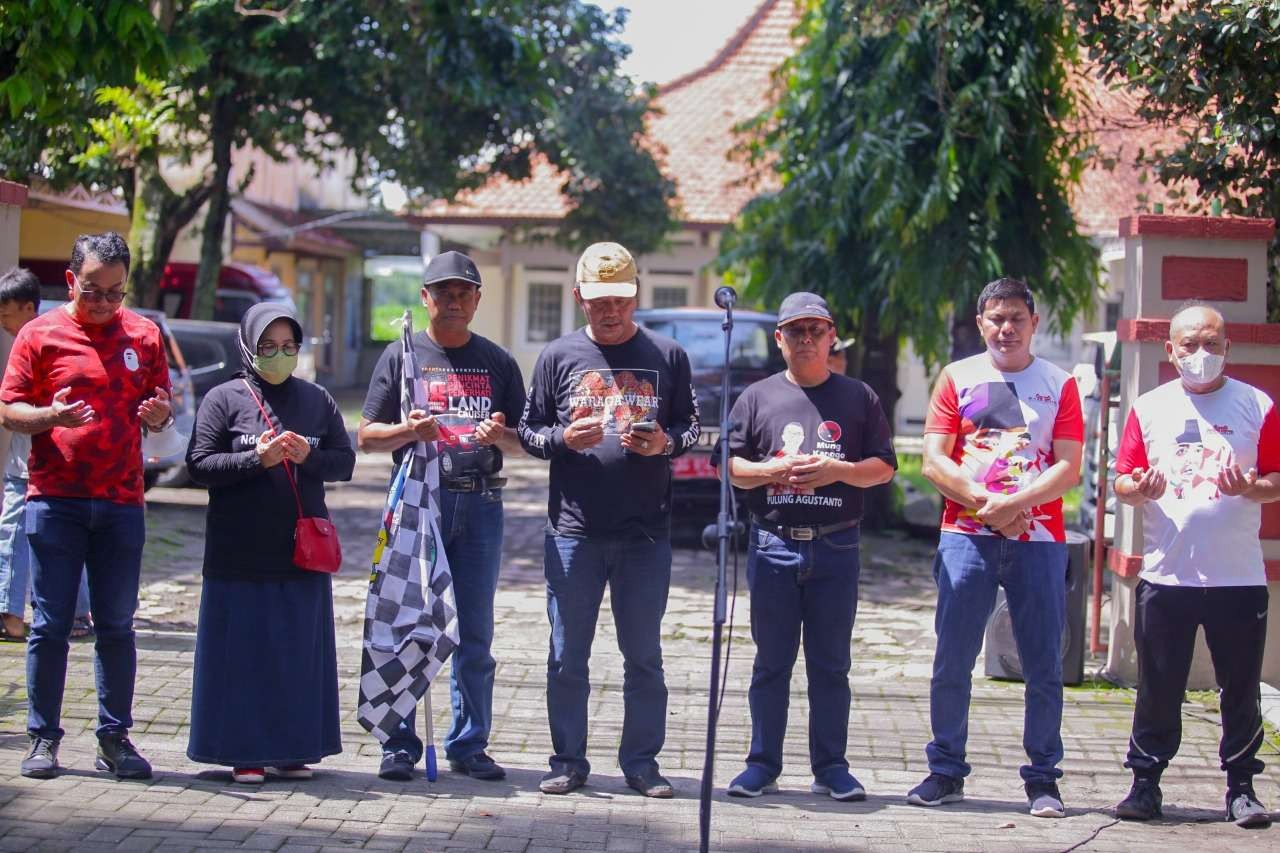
{"x": 604, "y": 490}
{"x": 462, "y": 385}
{"x": 113, "y": 367}
{"x": 1005, "y": 425}
{"x": 1194, "y": 535}
{"x": 841, "y": 418}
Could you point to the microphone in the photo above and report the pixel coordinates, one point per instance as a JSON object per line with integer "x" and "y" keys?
{"x": 726, "y": 297}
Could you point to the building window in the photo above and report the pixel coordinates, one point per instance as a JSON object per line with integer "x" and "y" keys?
{"x": 670, "y": 297}
{"x": 544, "y": 313}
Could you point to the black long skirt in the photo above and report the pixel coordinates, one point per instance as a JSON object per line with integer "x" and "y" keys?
{"x": 265, "y": 686}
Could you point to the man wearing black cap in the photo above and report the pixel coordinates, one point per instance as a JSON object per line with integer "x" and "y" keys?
{"x": 1200, "y": 454}
{"x": 805, "y": 443}
{"x": 474, "y": 390}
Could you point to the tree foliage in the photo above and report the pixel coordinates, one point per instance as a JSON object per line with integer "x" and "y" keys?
{"x": 438, "y": 95}
{"x": 923, "y": 148}
{"x": 1212, "y": 69}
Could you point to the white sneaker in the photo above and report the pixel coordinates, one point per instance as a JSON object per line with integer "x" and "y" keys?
{"x": 295, "y": 771}
{"x": 1043, "y": 800}
{"x": 249, "y": 775}
{"x": 1243, "y": 809}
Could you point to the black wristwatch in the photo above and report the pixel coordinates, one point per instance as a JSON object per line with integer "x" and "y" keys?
{"x": 168, "y": 422}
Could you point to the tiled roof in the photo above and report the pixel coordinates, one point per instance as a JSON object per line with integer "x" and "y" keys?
{"x": 282, "y": 229}
{"x": 695, "y": 123}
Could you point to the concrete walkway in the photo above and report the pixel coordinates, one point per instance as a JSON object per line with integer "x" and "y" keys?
{"x": 188, "y": 806}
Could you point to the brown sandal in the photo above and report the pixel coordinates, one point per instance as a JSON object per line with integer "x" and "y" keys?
{"x": 7, "y": 636}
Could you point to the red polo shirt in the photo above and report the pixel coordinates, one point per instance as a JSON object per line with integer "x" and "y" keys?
{"x": 113, "y": 367}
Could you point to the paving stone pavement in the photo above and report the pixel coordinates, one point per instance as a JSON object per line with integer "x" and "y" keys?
{"x": 188, "y": 806}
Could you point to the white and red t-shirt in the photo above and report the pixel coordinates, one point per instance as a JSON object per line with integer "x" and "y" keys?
{"x": 1005, "y": 425}
{"x": 1194, "y": 535}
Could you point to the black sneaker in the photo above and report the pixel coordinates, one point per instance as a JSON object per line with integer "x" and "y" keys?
{"x": 117, "y": 755}
{"x": 1243, "y": 808}
{"x": 1143, "y": 802}
{"x": 651, "y": 783}
{"x": 936, "y": 789}
{"x": 396, "y": 766}
{"x": 42, "y": 759}
{"x": 1043, "y": 800}
{"x": 478, "y": 766}
{"x": 562, "y": 781}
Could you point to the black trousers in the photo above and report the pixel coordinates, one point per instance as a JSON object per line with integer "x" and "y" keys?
{"x": 1235, "y": 628}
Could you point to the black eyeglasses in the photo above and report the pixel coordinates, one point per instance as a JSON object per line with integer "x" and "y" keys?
{"x": 115, "y": 297}
{"x": 269, "y": 349}
{"x": 798, "y": 333}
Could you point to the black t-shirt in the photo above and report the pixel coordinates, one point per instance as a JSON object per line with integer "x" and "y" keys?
{"x": 840, "y": 418}
{"x": 604, "y": 490}
{"x": 471, "y": 381}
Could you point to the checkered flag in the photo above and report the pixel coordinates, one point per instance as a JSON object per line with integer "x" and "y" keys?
{"x": 410, "y": 618}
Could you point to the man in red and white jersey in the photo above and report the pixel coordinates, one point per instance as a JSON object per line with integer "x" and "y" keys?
{"x": 1002, "y": 443}
{"x": 1200, "y": 454}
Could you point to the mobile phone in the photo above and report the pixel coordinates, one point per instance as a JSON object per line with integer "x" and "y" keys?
{"x": 644, "y": 426}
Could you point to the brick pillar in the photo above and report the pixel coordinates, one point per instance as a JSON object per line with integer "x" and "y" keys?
{"x": 1169, "y": 259}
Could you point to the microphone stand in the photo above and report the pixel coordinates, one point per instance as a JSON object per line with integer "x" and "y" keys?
{"x": 723, "y": 530}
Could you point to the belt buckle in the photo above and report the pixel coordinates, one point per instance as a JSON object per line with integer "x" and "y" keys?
{"x": 802, "y": 534}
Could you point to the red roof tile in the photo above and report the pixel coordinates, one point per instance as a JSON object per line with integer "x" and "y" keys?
{"x": 697, "y": 113}
{"x": 694, "y": 123}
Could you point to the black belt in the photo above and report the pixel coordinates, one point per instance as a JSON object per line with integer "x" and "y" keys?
{"x": 803, "y": 533}
{"x": 473, "y": 484}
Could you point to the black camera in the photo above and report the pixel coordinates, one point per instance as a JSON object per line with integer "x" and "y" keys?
{"x": 469, "y": 460}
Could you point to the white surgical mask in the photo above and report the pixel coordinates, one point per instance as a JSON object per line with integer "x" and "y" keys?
{"x": 1201, "y": 367}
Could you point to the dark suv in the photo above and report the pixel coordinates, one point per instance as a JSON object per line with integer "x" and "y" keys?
{"x": 695, "y": 492}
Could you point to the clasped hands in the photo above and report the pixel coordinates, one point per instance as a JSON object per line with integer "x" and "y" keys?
{"x": 1002, "y": 513}
{"x": 274, "y": 449}
{"x": 804, "y": 470}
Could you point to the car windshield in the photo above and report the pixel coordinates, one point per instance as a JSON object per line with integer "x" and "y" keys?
{"x": 753, "y": 344}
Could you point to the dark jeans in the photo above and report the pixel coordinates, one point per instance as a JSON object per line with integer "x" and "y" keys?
{"x": 1235, "y": 629}
{"x": 471, "y": 524}
{"x": 638, "y": 574}
{"x": 105, "y": 539}
{"x": 1034, "y": 576}
{"x": 807, "y": 588}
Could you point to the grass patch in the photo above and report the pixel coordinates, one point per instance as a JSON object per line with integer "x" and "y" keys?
{"x": 384, "y": 325}
{"x": 1208, "y": 698}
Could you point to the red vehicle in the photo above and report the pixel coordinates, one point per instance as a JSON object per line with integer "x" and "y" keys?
{"x": 239, "y": 286}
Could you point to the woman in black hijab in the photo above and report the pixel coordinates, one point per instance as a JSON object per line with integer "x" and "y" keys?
{"x": 265, "y": 684}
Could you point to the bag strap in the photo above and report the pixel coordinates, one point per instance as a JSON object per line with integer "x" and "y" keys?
{"x": 287, "y": 471}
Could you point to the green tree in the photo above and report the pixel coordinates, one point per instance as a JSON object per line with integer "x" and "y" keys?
{"x": 922, "y": 149}
{"x": 439, "y": 96}
{"x": 1211, "y": 69}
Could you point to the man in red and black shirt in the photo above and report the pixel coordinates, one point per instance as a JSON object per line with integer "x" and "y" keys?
{"x": 82, "y": 381}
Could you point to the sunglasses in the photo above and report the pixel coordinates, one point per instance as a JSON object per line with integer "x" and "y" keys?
{"x": 798, "y": 332}
{"x": 115, "y": 297}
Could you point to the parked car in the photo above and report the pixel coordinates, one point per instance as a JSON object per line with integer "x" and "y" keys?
{"x": 211, "y": 349}
{"x": 183, "y": 398}
{"x": 695, "y": 491}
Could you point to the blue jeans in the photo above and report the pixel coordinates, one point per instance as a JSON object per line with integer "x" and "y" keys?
{"x": 1034, "y": 576}
{"x": 69, "y": 535}
{"x": 807, "y": 588}
{"x": 15, "y": 554}
{"x": 638, "y": 574}
{"x": 471, "y": 525}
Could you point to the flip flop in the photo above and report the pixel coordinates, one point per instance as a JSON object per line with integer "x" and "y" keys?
{"x": 81, "y": 628}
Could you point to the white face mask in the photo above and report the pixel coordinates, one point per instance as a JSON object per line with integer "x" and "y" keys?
{"x": 1201, "y": 367}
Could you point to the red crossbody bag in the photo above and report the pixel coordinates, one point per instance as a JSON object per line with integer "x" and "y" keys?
{"x": 315, "y": 540}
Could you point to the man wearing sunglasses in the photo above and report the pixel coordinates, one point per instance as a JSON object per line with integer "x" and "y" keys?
{"x": 474, "y": 390}
{"x": 82, "y": 381}
{"x": 804, "y": 444}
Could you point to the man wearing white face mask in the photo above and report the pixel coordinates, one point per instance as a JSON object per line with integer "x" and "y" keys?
{"x": 1200, "y": 454}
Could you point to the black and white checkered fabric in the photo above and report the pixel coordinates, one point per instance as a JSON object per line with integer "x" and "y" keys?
{"x": 410, "y": 617}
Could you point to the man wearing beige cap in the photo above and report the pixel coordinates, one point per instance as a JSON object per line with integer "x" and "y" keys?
{"x": 608, "y": 406}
